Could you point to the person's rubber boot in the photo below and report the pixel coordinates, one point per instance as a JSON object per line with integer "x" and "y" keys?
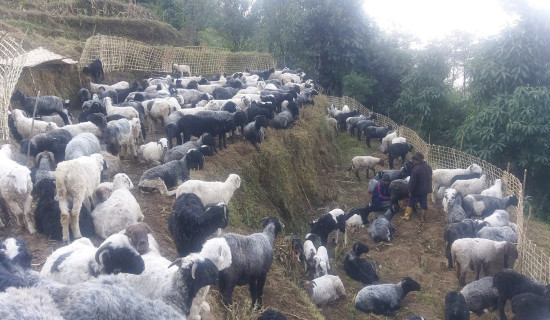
{"x": 423, "y": 215}
{"x": 407, "y": 214}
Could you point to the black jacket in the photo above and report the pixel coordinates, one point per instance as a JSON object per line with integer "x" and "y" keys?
{"x": 420, "y": 183}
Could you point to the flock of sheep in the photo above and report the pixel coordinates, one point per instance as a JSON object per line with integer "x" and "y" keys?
{"x": 73, "y": 164}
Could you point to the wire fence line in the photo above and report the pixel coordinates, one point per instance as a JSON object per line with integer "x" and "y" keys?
{"x": 531, "y": 261}
{"x": 123, "y": 54}
{"x": 12, "y": 58}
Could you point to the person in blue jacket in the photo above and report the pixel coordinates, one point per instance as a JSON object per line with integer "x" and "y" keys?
{"x": 380, "y": 197}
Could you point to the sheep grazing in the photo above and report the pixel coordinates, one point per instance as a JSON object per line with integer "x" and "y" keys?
{"x": 178, "y": 152}
{"x": 171, "y": 174}
{"x": 358, "y": 268}
{"x": 252, "y": 256}
{"x": 483, "y": 206}
{"x": 510, "y": 283}
{"x": 15, "y": 190}
{"x": 456, "y": 307}
{"x": 76, "y": 179}
{"x": 324, "y": 290}
{"x": 153, "y": 152}
{"x": 362, "y": 127}
{"x": 22, "y": 125}
{"x": 441, "y": 178}
{"x": 481, "y": 296}
{"x": 396, "y": 150}
{"x": 182, "y": 69}
{"x": 528, "y": 306}
{"x": 95, "y": 69}
{"x": 495, "y": 190}
{"x": 45, "y": 105}
{"x": 376, "y": 132}
{"x": 470, "y": 186}
{"x": 361, "y": 162}
{"x": 81, "y": 260}
{"x": 47, "y": 215}
{"x": 253, "y": 131}
{"x": 84, "y": 144}
{"x": 118, "y": 211}
{"x": 334, "y": 220}
{"x": 479, "y": 254}
{"x": 211, "y": 191}
{"x": 322, "y": 265}
{"x": 381, "y": 228}
{"x": 190, "y": 223}
{"x": 384, "y": 299}
{"x": 466, "y": 228}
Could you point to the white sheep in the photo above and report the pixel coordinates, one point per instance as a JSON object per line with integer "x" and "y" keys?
{"x": 309, "y": 254}
{"x": 182, "y": 68}
{"x": 333, "y": 123}
{"x": 499, "y": 218}
{"x": 15, "y": 189}
{"x": 116, "y": 213}
{"x": 495, "y": 190}
{"x": 81, "y": 260}
{"x": 153, "y": 152}
{"x": 158, "y": 110}
{"x": 94, "y": 87}
{"x": 325, "y": 289}
{"x": 441, "y": 178}
{"x": 399, "y": 140}
{"x": 76, "y": 179}
{"x": 450, "y": 194}
{"x": 137, "y": 133}
{"x": 476, "y": 253}
{"x": 24, "y": 124}
{"x": 322, "y": 265}
{"x": 362, "y": 162}
{"x": 83, "y": 144}
{"x": 127, "y": 112}
{"x": 211, "y": 191}
{"x": 470, "y": 186}
{"x": 83, "y": 127}
{"x": 387, "y": 141}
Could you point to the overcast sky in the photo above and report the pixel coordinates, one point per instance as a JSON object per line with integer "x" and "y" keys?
{"x": 433, "y": 19}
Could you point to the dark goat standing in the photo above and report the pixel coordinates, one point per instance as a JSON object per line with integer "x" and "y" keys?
{"x": 253, "y": 131}
{"x": 361, "y": 126}
{"x": 95, "y": 69}
{"x": 396, "y": 150}
{"x": 376, "y": 132}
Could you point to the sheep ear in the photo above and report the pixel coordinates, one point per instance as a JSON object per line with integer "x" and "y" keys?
{"x": 193, "y": 269}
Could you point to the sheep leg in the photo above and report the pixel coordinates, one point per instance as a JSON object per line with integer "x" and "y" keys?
{"x": 478, "y": 270}
{"x": 260, "y": 289}
{"x": 368, "y": 142}
{"x": 74, "y": 218}
{"x": 357, "y": 174}
{"x": 29, "y": 218}
{"x": 16, "y": 211}
{"x": 64, "y": 218}
{"x": 253, "y": 288}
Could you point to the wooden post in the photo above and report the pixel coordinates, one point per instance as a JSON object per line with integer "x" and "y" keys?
{"x": 528, "y": 219}
{"x": 32, "y": 125}
{"x": 524, "y": 182}
{"x": 429, "y": 138}
{"x": 461, "y": 141}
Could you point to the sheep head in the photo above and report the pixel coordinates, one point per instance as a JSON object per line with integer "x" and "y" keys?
{"x": 408, "y": 285}
{"x": 137, "y": 233}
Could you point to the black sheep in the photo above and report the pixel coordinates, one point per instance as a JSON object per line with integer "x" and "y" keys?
{"x": 260, "y": 108}
{"x": 456, "y": 307}
{"x": 84, "y": 95}
{"x": 45, "y": 105}
{"x": 224, "y": 93}
{"x": 277, "y": 97}
{"x": 271, "y": 314}
{"x": 253, "y": 131}
{"x": 190, "y": 223}
{"x": 342, "y": 117}
{"x": 358, "y": 268}
{"x": 95, "y": 69}
{"x": 285, "y": 119}
{"x": 396, "y": 150}
{"x": 323, "y": 226}
{"x": 173, "y": 128}
{"x": 528, "y": 306}
{"x": 123, "y": 93}
{"x": 54, "y": 141}
{"x": 361, "y": 126}
{"x": 376, "y": 132}
{"x": 264, "y": 74}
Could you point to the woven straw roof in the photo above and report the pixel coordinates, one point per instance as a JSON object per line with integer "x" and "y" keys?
{"x": 41, "y": 56}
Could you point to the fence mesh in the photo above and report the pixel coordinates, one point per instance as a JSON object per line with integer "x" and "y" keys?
{"x": 531, "y": 261}
{"x": 12, "y": 58}
{"x": 122, "y": 54}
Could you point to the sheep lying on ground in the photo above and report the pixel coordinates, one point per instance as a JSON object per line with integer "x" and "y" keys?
{"x": 384, "y": 298}
{"x": 358, "y": 268}
{"x": 381, "y": 228}
{"x": 14, "y": 256}
{"x": 81, "y": 260}
{"x": 326, "y": 289}
{"x": 456, "y": 307}
{"x": 480, "y": 295}
{"x": 45, "y": 105}
{"x": 211, "y": 191}
{"x": 77, "y": 180}
{"x": 153, "y": 152}
{"x": 364, "y": 162}
{"x": 479, "y": 253}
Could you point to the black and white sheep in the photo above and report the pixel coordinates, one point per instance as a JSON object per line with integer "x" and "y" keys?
{"x": 14, "y": 256}
{"x": 396, "y": 150}
{"x": 477, "y": 254}
{"x": 178, "y": 152}
{"x": 455, "y": 212}
{"x": 456, "y": 307}
{"x": 77, "y": 180}
{"x": 95, "y": 69}
{"x": 510, "y": 283}
{"x": 333, "y": 220}
{"x": 325, "y": 289}
{"x": 252, "y": 256}
{"x": 373, "y": 132}
{"x": 358, "y": 268}
{"x": 368, "y": 162}
{"x": 21, "y": 128}
{"x": 481, "y": 296}
{"x": 45, "y": 105}
{"x": 483, "y": 206}
{"x": 81, "y": 260}
{"x": 153, "y": 152}
{"x": 381, "y": 228}
{"x": 253, "y": 131}
{"x": 384, "y": 298}
{"x": 285, "y": 119}
{"x": 190, "y": 222}
{"x": 171, "y": 174}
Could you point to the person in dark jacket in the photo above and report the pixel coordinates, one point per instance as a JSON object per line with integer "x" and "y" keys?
{"x": 420, "y": 184}
{"x": 380, "y": 197}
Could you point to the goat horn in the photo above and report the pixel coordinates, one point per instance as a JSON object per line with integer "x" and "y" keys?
{"x": 100, "y": 251}
{"x": 176, "y": 262}
{"x": 193, "y": 269}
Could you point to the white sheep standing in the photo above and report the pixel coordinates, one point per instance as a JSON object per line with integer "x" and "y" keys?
{"x": 211, "y": 191}
{"x": 364, "y": 162}
{"x": 495, "y": 190}
{"x": 76, "y": 179}
{"x": 15, "y": 189}
{"x": 127, "y": 112}
{"x": 119, "y": 211}
{"x": 322, "y": 265}
{"x": 333, "y": 123}
{"x": 183, "y": 68}
{"x": 450, "y": 194}
{"x": 158, "y": 110}
{"x": 94, "y": 87}
{"x": 309, "y": 254}
{"x": 325, "y": 289}
{"x": 387, "y": 141}
{"x": 470, "y": 186}
{"x": 476, "y": 253}
{"x": 153, "y": 152}
{"x": 441, "y": 178}
{"x": 24, "y": 124}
